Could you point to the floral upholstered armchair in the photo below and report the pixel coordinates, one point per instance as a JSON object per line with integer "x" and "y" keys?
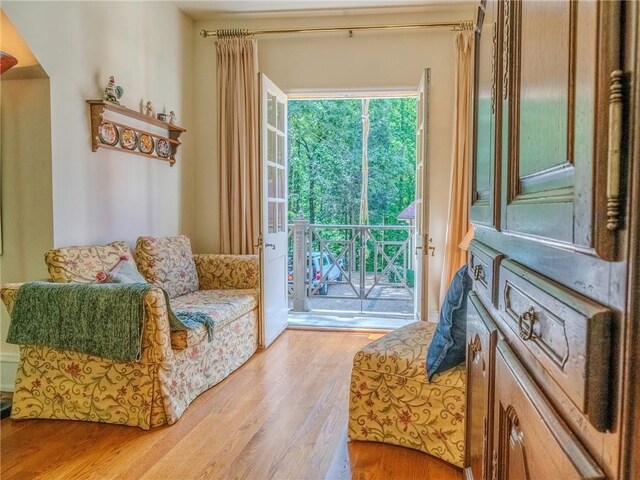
{"x": 392, "y": 401}
{"x": 174, "y": 366}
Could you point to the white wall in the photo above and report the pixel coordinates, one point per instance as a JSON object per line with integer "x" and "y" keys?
{"x": 27, "y": 216}
{"x": 371, "y": 60}
{"x": 105, "y": 196}
{"x": 68, "y": 195}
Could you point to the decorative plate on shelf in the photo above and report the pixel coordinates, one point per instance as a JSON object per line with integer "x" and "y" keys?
{"x": 145, "y": 143}
{"x": 162, "y": 148}
{"x": 108, "y": 133}
{"x": 128, "y": 139}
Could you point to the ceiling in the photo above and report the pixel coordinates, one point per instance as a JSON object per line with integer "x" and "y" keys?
{"x": 201, "y": 9}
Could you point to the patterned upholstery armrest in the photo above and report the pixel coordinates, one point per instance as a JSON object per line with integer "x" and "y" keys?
{"x": 8, "y": 293}
{"x": 227, "y": 271}
{"x": 156, "y": 336}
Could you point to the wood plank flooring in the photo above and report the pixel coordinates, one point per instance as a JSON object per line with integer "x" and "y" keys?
{"x": 283, "y": 415}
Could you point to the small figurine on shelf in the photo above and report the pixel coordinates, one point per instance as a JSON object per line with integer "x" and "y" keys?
{"x": 162, "y": 117}
{"x": 113, "y": 92}
{"x": 148, "y": 110}
{"x": 172, "y": 118}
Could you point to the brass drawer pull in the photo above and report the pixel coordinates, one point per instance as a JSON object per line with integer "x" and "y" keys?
{"x": 525, "y": 324}
{"x": 477, "y": 272}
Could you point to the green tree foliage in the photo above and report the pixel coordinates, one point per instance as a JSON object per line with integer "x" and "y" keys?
{"x": 325, "y": 152}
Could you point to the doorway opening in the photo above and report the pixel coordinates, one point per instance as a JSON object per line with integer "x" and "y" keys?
{"x": 351, "y": 197}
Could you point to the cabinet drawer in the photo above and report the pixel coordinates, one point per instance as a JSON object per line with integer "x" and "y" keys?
{"x": 531, "y": 441}
{"x": 483, "y": 268}
{"x": 559, "y": 334}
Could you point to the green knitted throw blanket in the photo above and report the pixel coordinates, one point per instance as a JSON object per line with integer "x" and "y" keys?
{"x": 104, "y": 320}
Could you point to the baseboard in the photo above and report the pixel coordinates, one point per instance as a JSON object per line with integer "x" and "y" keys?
{"x": 434, "y": 316}
{"x": 8, "y": 366}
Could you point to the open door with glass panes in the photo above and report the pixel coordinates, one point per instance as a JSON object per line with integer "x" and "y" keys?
{"x": 273, "y": 159}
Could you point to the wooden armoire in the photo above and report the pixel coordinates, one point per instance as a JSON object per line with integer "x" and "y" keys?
{"x": 553, "y": 336}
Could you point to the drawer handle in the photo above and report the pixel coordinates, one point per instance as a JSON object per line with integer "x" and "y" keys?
{"x": 525, "y": 324}
{"x": 477, "y": 272}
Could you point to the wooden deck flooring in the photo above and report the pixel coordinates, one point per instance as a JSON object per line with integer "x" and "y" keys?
{"x": 283, "y": 415}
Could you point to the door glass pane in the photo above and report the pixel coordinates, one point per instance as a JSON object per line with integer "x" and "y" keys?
{"x": 281, "y": 183}
{"x": 282, "y": 218}
{"x": 271, "y": 110}
{"x": 281, "y": 118}
{"x": 272, "y": 189}
{"x": 271, "y": 145}
{"x": 272, "y": 214}
{"x": 280, "y": 149}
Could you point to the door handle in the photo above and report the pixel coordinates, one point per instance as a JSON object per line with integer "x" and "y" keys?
{"x": 269, "y": 245}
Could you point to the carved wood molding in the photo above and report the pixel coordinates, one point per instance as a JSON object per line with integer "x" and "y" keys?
{"x": 485, "y": 445}
{"x": 613, "y": 157}
{"x": 506, "y": 38}
{"x": 515, "y": 453}
{"x": 494, "y": 49}
{"x": 571, "y": 100}
{"x": 475, "y": 348}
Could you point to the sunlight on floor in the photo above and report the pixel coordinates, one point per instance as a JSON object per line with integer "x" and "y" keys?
{"x": 346, "y": 321}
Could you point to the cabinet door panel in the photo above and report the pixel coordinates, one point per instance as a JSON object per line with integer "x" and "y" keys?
{"x": 531, "y": 441}
{"x": 481, "y": 341}
{"x": 555, "y": 121}
{"x": 483, "y": 201}
{"x": 544, "y": 96}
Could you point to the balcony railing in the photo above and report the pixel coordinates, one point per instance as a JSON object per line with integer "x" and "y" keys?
{"x": 353, "y": 262}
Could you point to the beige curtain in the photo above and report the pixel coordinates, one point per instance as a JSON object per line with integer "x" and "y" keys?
{"x": 458, "y": 219}
{"x": 237, "y": 149}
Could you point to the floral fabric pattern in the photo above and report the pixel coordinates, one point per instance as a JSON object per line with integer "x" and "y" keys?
{"x": 227, "y": 271}
{"x": 391, "y": 400}
{"x": 223, "y": 306}
{"x": 168, "y": 263}
{"x": 84, "y": 264}
{"x": 200, "y": 367}
{"x": 61, "y": 384}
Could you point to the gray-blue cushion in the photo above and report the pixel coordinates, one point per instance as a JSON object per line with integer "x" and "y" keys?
{"x": 448, "y": 346}
{"x": 125, "y": 272}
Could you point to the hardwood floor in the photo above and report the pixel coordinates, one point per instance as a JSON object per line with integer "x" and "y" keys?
{"x": 283, "y": 415}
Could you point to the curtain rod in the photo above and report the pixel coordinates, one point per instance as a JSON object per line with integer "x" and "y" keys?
{"x": 233, "y": 32}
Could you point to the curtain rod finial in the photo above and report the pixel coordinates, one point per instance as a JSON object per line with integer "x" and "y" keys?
{"x": 203, "y": 33}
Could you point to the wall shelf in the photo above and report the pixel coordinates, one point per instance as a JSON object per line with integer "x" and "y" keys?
{"x": 98, "y": 107}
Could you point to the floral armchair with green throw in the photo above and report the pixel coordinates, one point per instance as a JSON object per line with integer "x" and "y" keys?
{"x": 174, "y": 367}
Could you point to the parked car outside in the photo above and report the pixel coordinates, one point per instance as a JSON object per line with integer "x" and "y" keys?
{"x": 320, "y": 276}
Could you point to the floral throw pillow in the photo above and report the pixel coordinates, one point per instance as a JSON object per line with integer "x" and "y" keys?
{"x": 168, "y": 263}
{"x": 84, "y": 264}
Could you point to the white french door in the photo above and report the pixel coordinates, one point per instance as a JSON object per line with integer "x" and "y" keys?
{"x": 422, "y": 239}
{"x": 273, "y": 254}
